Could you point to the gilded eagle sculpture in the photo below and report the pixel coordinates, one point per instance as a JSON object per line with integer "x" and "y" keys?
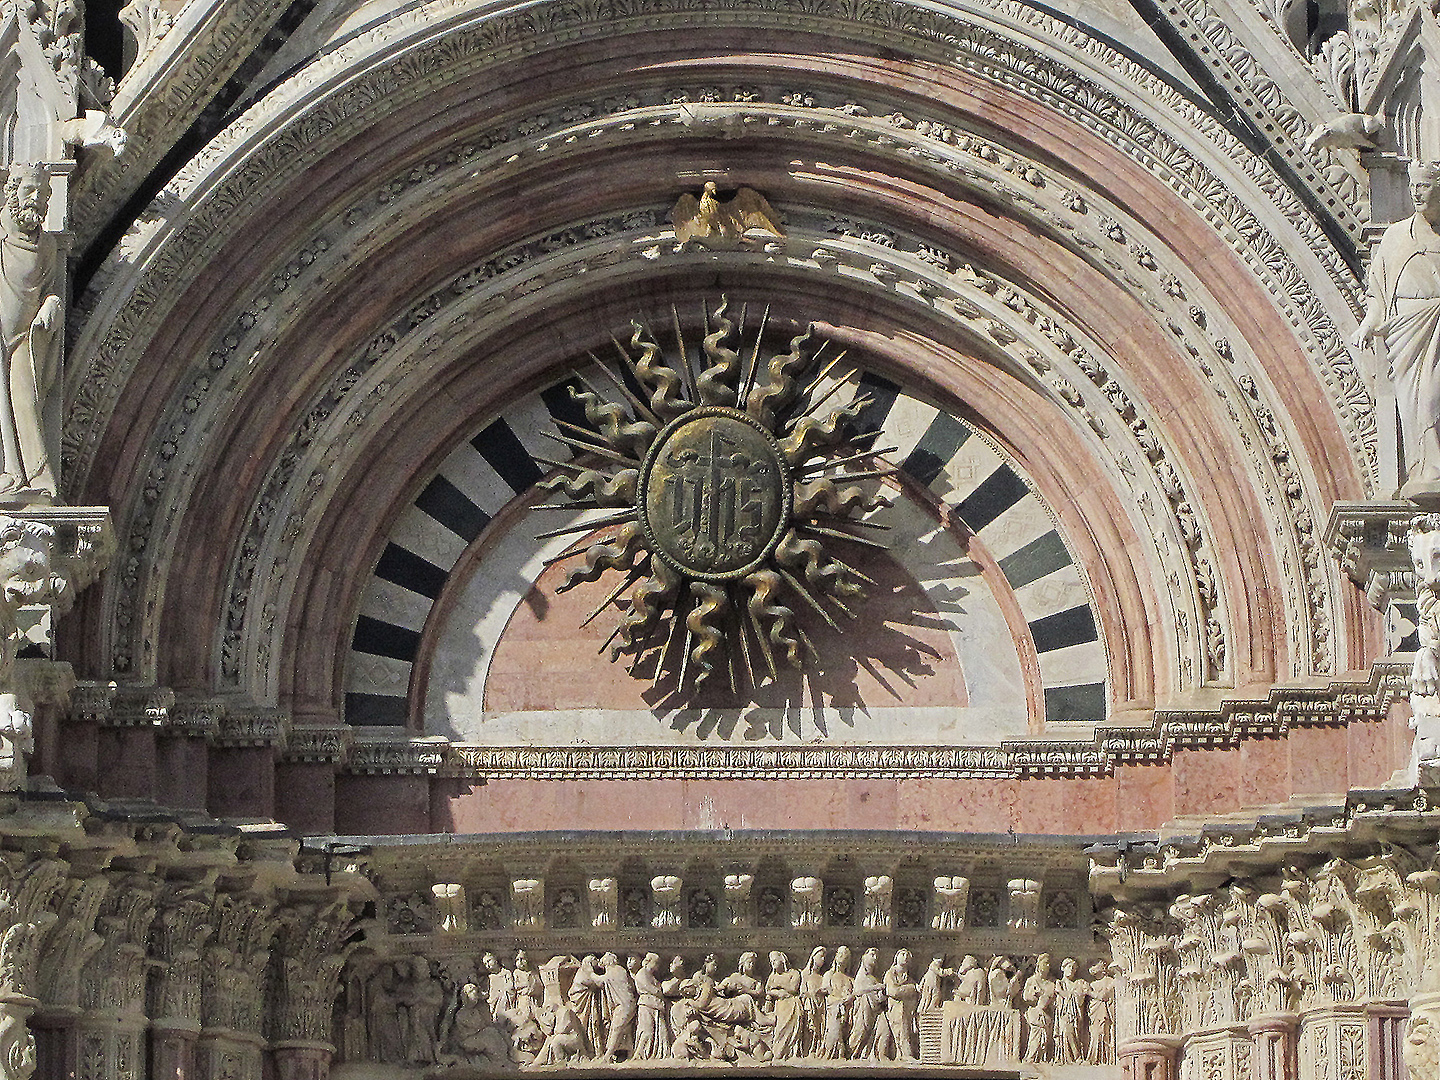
{"x": 725, "y": 222}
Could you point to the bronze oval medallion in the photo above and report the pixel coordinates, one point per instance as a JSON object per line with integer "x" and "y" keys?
{"x": 714, "y": 494}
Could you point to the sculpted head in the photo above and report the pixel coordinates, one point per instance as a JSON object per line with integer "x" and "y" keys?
{"x": 868, "y": 959}
{"x": 27, "y": 196}
{"x": 817, "y": 958}
{"x": 1425, "y": 188}
{"x": 1424, "y": 552}
{"x": 25, "y": 576}
{"x": 779, "y": 962}
{"x": 1068, "y": 967}
{"x": 842, "y": 957}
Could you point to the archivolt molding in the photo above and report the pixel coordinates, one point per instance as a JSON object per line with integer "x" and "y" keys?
{"x": 418, "y": 52}
{"x": 162, "y": 94}
{"x": 1019, "y": 332}
{"x": 1125, "y": 252}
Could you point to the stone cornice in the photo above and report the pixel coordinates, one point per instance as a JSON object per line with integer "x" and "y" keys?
{"x": 1340, "y": 703}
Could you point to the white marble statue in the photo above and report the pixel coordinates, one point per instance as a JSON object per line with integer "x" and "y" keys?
{"x": 31, "y": 315}
{"x": 25, "y": 579}
{"x": 1425, "y": 672}
{"x": 1403, "y": 316}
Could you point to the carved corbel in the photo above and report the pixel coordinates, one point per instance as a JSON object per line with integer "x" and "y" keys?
{"x": 604, "y": 903}
{"x": 737, "y": 899}
{"x": 952, "y": 894}
{"x": 450, "y": 903}
{"x": 878, "y": 891}
{"x": 807, "y": 895}
{"x": 665, "y": 899}
{"x": 527, "y": 897}
{"x": 1024, "y": 905}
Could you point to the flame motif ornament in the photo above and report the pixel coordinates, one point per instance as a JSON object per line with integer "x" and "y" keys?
{"x": 722, "y": 485}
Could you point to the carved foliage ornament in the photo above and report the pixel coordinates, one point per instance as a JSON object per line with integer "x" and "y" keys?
{"x": 719, "y": 494}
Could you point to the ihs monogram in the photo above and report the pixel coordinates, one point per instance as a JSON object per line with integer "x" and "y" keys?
{"x": 724, "y": 476}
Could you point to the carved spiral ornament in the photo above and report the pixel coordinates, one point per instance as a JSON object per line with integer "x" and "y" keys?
{"x": 722, "y": 486}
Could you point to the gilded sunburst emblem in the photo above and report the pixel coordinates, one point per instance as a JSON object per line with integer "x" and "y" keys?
{"x": 725, "y": 482}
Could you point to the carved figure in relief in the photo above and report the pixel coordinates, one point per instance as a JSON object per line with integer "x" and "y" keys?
{"x": 839, "y": 994}
{"x": 421, "y": 999}
{"x": 1425, "y": 671}
{"x": 652, "y": 1025}
{"x": 1404, "y": 313}
{"x": 731, "y": 1011}
{"x": 782, "y": 992}
{"x": 1100, "y": 1015}
{"x": 1039, "y": 994}
{"x": 30, "y": 320}
{"x": 869, "y": 1029}
{"x": 586, "y": 999}
{"x": 474, "y": 1037}
{"x": 387, "y": 1039}
{"x": 1001, "y": 978}
{"x": 1070, "y": 1002}
{"x": 902, "y": 997}
{"x": 812, "y": 1003}
{"x": 524, "y": 1018}
{"x": 678, "y": 989}
{"x": 970, "y": 982}
{"x": 932, "y": 983}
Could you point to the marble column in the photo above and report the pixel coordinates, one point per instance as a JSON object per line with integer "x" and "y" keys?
{"x": 1149, "y": 1057}
{"x": 302, "y": 1061}
{"x": 1274, "y": 1036}
{"x": 172, "y": 1051}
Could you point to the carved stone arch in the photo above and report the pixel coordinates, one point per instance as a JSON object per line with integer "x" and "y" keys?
{"x": 162, "y": 575}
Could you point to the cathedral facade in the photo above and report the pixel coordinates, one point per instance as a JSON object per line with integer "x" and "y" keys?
{"x": 693, "y": 536}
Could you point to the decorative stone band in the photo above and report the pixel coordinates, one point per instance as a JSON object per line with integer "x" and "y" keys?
{"x": 376, "y": 750}
{"x": 847, "y": 1003}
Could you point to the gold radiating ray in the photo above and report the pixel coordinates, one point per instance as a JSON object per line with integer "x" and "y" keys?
{"x": 591, "y": 448}
{"x": 587, "y": 526}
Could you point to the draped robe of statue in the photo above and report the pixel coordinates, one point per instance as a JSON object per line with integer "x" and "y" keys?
{"x": 1405, "y": 285}
{"x": 30, "y": 318}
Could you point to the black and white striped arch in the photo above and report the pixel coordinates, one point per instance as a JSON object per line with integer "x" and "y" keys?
{"x": 939, "y": 451}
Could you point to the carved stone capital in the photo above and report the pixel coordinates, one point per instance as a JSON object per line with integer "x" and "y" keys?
{"x": 385, "y": 754}
{"x": 253, "y": 727}
{"x": 328, "y": 743}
